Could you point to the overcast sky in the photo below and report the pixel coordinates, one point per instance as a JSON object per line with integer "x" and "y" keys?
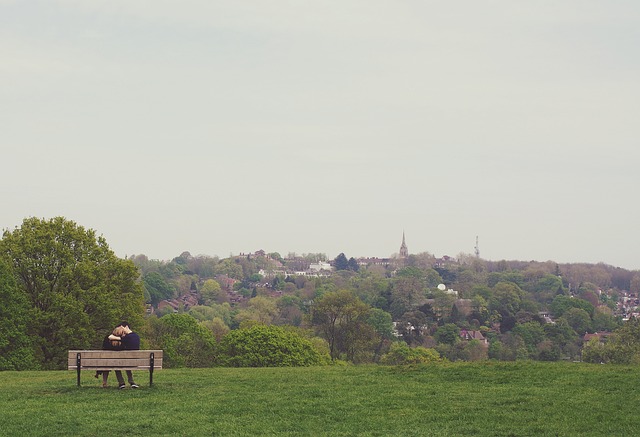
{"x": 220, "y": 127}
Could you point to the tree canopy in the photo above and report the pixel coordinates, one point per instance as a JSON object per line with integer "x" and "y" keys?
{"x": 75, "y": 287}
{"x": 16, "y": 352}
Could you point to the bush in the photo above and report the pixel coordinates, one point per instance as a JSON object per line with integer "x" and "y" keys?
{"x": 186, "y": 343}
{"x": 474, "y": 350}
{"x": 400, "y": 353}
{"x": 595, "y": 352}
{"x": 268, "y": 346}
{"x": 623, "y": 347}
{"x": 548, "y": 351}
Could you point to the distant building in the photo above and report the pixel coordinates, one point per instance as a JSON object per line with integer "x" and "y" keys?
{"x": 469, "y": 335}
{"x": 602, "y": 337}
{"x": 373, "y": 261}
{"x": 404, "y": 252}
{"x": 546, "y": 316}
{"x": 226, "y": 283}
{"x": 183, "y": 302}
{"x": 444, "y": 261}
{"x": 320, "y": 265}
{"x": 173, "y": 304}
{"x": 464, "y": 306}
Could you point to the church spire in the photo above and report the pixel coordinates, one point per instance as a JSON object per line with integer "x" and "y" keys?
{"x": 404, "y": 252}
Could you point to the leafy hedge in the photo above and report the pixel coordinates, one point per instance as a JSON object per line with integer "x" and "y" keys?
{"x": 400, "y": 353}
{"x": 268, "y": 346}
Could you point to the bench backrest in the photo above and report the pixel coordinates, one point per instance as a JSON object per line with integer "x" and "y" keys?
{"x": 109, "y": 360}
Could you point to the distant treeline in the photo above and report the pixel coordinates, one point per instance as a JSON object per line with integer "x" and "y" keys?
{"x": 65, "y": 289}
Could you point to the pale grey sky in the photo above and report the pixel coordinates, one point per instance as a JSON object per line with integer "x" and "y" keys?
{"x": 221, "y": 127}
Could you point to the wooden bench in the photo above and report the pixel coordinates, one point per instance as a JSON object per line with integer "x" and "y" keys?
{"x": 115, "y": 360}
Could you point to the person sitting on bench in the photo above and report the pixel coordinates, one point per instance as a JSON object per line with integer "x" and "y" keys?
{"x": 130, "y": 341}
{"x": 111, "y": 345}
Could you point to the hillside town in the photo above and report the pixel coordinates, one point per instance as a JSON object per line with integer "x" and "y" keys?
{"x": 452, "y": 292}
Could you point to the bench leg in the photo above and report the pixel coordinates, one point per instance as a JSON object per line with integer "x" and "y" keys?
{"x": 151, "y": 360}
{"x": 78, "y": 365}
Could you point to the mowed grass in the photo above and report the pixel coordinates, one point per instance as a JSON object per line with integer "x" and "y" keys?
{"x": 451, "y": 399}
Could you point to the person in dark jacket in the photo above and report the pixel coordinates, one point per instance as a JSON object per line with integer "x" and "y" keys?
{"x": 130, "y": 341}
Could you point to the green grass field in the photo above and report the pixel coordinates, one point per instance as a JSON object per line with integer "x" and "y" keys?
{"x": 493, "y": 399}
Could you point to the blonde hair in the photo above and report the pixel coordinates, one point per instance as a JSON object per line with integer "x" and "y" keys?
{"x": 119, "y": 331}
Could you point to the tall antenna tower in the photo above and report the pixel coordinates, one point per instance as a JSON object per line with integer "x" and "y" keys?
{"x": 477, "y": 248}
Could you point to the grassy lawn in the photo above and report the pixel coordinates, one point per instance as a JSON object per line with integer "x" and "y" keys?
{"x": 493, "y": 399}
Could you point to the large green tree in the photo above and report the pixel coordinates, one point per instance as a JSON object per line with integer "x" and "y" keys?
{"x": 408, "y": 290}
{"x": 342, "y": 319}
{"x": 341, "y": 262}
{"x": 75, "y": 286}
{"x": 506, "y": 299}
{"x": 157, "y": 287}
{"x": 16, "y": 352}
{"x": 259, "y": 310}
{"x": 532, "y": 333}
{"x": 562, "y": 304}
{"x": 186, "y": 343}
{"x": 448, "y": 333}
{"x": 211, "y": 292}
{"x": 578, "y": 319}
{"x": 382, "y": 324}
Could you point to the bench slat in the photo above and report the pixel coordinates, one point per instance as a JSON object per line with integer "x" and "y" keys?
{"x": 115, "y": 362}
{"x": 113, "y": 359}
{"x": 88, "y": 363}
{"x": 110, "y": 354}
{"x": 102, "y": 368}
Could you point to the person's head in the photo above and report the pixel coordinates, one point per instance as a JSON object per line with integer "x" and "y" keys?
{"x": 127, "y": 330}
{"x": 124, "y": 323}
{"x": 119, "y": 331}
